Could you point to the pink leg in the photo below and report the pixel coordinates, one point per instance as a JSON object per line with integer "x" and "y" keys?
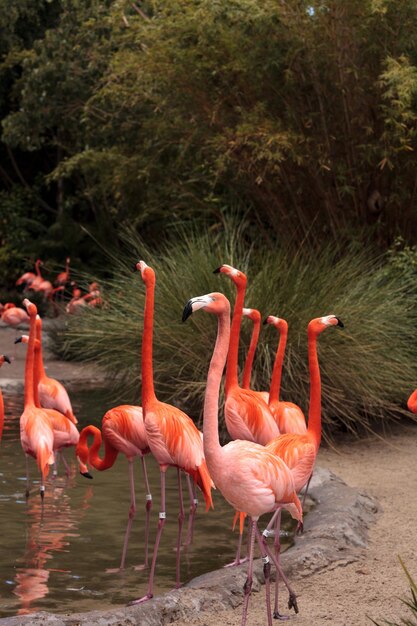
{"x": 193, "y": 511}
{"x": 27, "y": 476}
{"x": 132, "y": 513}
{"x": 277, "y": 548}
{"x": 161, "y": 523}
{"x": 300, "y": 527}
{"x": 248, "y": 583}
{"x": 267, "y": 576}
{"x": 292, "y": 601}
{"x": 148, "y": 507}
{"x": 238, "y": 560}
{"x": 180, "y": 524}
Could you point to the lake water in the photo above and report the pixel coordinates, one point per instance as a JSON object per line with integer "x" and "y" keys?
{"x": 56, "y": 557}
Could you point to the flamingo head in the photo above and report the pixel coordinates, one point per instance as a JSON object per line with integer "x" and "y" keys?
{"x": 212, "y": 303}
{"x": 147, "y": 273}
{"x": 318, "y": 324}
{"x": 4, "y": 359}
{"x": 83, "y": 468}
{"x": 279, "y": 323}
{"x": 238, "y": 277}
{"x": 30, "y": 307}
{"x": 9, "y": 305}
{"x": 252, "y": 314}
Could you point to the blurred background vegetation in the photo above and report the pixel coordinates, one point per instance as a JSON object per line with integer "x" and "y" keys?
{"x": 179, "y": 119}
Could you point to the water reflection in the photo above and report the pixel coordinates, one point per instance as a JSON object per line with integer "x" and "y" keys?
{"x": 57, "y": 556}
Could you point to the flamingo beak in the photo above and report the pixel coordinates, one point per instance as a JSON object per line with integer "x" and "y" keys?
{"x": 340, "y": 323}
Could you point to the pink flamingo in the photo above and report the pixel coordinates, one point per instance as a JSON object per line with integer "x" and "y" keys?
{"x": 63, "y": 277}
{"x": 247, "y": 416}
{"x": 123, "y": 431}
{"x": 412, "y": 402}
{"x": 172, "y": 436}
{"x": 3, "y": 359}
{"x": 255, "y": 316}
{"x": 36, "y": 434}
{"x": 52, "y": 393}
{"x": 288, "y": 416}
{"x": 250, "y": 478}
{"x": 13, "y": 315}
{"x": 299, "y": 451}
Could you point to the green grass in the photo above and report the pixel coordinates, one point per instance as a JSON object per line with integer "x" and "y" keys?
{"x": 368, "y": 369}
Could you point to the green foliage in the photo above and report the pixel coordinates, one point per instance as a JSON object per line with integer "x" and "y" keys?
{"x": 368, "y": 370}
{"x": 411, "y": 604}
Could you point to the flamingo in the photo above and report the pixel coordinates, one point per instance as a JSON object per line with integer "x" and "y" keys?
{"x": 299, "y": 451}
{"x": 172, "y": 436}
{"x": 255, "y": 316}
{"x": 63, "y": 277}
{"x": 13, "y": 315}
{"x": 247, "y": 416}
{"x": 288, "y": 416}
{"x": 36, "y": 434}
{"x": 38, "y": 279}
{"x": 249, "y": 476}
{"x": 412, "y": 402}
{"x": 52, "y": 393}
{"x": 123, "y": 431}
{"x": 3, "y": 359}
{"x": 26, "y": 278}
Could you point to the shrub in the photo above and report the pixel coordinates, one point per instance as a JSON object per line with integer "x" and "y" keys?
{"x": 368, "y": 370}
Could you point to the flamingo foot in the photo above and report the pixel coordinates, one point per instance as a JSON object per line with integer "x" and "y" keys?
{"x": 114, "y": 570}
{"x": 292, "y": 602}
{"x": 278, "y": 615}
{"x": 236, "y": 562}
{"x": 140, "y": 600}
{"x": 300, "y": 528}
{"x": 140, "y": 568}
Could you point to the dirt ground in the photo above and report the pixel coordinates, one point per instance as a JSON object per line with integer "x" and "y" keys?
{"x": 372, "y": 586}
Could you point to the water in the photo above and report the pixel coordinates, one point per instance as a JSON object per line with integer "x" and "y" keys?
{"x": 56, "y": 557}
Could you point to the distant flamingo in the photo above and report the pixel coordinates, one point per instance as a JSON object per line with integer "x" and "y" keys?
{"x": 52, "y": 393}
{"x": 26, "y": 278}
{"x": 172, "y": 436}
{"x": 63, "y": 277}
{"x": 288, "y": 416}
{"x": 13, "y": 315}
{"x": 247, "y": 416}
{"x": 255, "y": 316}
{"x": 123, "y": 431}
{"x": 250, "y": 478}
{"x": 38, "y": 279}
{"x": 412, "y": 402}
{"x": 299, "y": 451}
{"x": 3, "y": 359}
{"x": 36, "y": 434}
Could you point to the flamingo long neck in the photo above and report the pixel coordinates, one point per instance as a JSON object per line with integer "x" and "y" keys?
{"x": 39, "y": 361}
{"x": 314, "y": 410}
{"x": 148, "y": 391}
{"x": 38, "y": 272}
{"x": 275, "y": 387}
{"x": 29, "y": 364}
{"x": 36, "y": 376}
{"x": 67, "y": 263}
{"x": 110, "y": 453}
{"x": 233, "y": 355}
{"x": 247, "y": 371}
{"x": 212, "y": 447}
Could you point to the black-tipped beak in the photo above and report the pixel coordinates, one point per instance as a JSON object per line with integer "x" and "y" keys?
{"x": 86, "y": 475}
{"x": 134, "y": 268}
{"x": 217, "y": 270}
{"x": 340, "y": 323}
{"x": 188, "y": 309}
{"x": 265, "y": 321}
{"x": 6, "y": 358}
{"x": 18, "y": 340}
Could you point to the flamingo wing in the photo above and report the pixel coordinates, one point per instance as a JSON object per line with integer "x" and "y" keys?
{"x": 289, "y": 417}
{"x": 248, "y": 417}
{"x": 123, "y": 427}
{"x": 53, "y": 395}
{"x": 298, "y": 453}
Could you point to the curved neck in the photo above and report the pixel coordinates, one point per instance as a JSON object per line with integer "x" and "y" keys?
{"x": 110, "y": 453}
{"x": 36, "y": 375}
{"x": 38, "y": 272}
{"x": 247, "y": 371}
{"x": 233, "y": 355}
{"x": 277, "y": 371}
{"x": 39, "y": 355}
{"x": 314, "y": 409}
{"x": 212, "y": 447}
{"x": 67, "y": 266}
{"x": 148, "y": 391}
{"x": 29, "y": 364}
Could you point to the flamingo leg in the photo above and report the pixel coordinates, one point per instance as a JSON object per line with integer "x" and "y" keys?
{"x": 148, "y": 507}
{"x": 249, "y": 580}
{"x": 267, "y": 576}
{"x": 132, "y": 513}
{"x": 277, "y": 548}
{"x": 193, "y": 510}
{"x": 299, "y": 528}
{"x": 27, "y": 494}
{"x": 292, "y": 601}
{"x": 181, "y": 516}
{"x": 64, "y": 460}
{"x": 238, "y": 560}
{"x": 161, "y": 523}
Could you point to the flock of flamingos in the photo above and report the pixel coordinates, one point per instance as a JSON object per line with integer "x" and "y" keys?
{"x": 269, "y": 460}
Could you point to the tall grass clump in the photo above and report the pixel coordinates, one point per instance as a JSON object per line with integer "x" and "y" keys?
{"x": 368, "y": 369}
